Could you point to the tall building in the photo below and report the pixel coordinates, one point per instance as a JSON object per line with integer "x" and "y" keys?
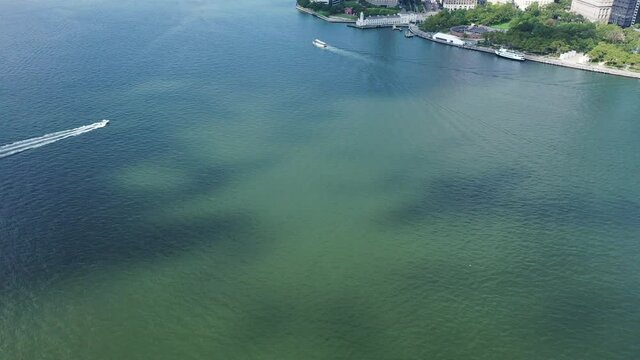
{"x": 459, "y": 4}
{"x": 624, "y": 12}
{"x": 593, "y": 10}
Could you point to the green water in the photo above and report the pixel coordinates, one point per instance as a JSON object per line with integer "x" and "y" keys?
{"x": 258, "y": 198}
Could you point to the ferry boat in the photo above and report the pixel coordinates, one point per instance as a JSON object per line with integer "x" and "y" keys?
{"x": 510, "y": 54}
{"x": 320, "y": 44}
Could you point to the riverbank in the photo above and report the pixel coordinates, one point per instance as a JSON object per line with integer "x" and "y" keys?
{"x": 332, "y": 19}
{"x": 536, "y": 58}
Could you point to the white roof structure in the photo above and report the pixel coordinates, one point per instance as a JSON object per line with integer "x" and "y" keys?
{"x": 450, "y": 39}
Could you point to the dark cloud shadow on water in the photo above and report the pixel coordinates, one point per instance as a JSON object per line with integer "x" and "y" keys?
{"x": 553, "y": 272}
{"x": 333, "y": 326}
{"x": 498, "y": 193}
{"x": 95, "y": 243}
{"x": 460, "y": 195}
{"x": 83, "y": 226}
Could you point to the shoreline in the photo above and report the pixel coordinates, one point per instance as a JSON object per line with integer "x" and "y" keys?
{"x": 535, "y": 58}
{"x": 331, "y": 19}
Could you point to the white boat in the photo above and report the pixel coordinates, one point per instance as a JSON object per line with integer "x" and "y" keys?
{"x": 320, "y": 44}
{"x": 104, "y": 122}
{"x": 510, "y": 54}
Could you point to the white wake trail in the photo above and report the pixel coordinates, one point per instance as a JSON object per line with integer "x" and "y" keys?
{"x": 349, "y": 53}
{"x": 23, "y": 145}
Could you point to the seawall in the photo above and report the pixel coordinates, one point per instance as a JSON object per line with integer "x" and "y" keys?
{"x": 541, "y": 59}
{"x": 333, "y": 19}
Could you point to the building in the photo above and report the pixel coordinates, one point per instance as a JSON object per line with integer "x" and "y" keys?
{"x": 499, "y": 2}
{"x": 459, "y": 4}
{"x": 524, "y": 4}
{"x": 624, "y": 12}
{"x": 398, "y": 20}
{"x": 470, "y": 31}
{"x": 449, "y": 39}
{"x": 329, "y": 2}
{"x": 593, "y": 10}
{"x": 387, "y": 3}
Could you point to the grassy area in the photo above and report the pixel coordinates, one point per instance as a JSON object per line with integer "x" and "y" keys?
{"x": 345, "y": 16}
{"x": 503, "y": 26}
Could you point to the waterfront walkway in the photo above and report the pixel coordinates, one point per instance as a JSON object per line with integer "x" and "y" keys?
{"x": 541, "y": 59}
{"x": 333, "y": 19}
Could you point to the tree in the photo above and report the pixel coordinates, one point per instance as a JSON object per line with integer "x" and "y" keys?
{"x": 610, "y": 33}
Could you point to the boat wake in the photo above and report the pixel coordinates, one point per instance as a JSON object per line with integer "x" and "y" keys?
{"x": 349, "y": 53}
{"x": 24, "y": 145}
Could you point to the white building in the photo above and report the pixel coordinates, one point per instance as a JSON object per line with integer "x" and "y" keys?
{"x": 594, "y": 10}
{"x": 459, "y": 4}
{"x": 524, "y": 4}
{"x": 449, "y": 39}
{"x": 398, "y": 20}
{"x": 328, "y": 2}
{"x": 499, "y": 2}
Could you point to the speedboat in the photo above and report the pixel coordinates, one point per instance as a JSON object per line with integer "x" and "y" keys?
{"x": 320, "y": 44}
{"x": 105, "y": 122}
{"x": 510, "y": 54}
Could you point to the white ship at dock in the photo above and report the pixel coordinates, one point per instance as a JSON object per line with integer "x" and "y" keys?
{"x": 510, "y": 54}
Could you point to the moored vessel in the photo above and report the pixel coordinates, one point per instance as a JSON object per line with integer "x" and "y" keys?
{"x": 510, "y": 54}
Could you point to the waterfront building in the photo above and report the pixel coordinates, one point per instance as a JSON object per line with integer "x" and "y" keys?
{"x": 499, "y": 2}
{"x": 329, "y": 2}
{"x": 593, "y": 10}
{"x": 524, "y": 4}
{"x": 459, "y": 4}
{"x": 624, "y": 12}
{"x": 449, "y": 39}
{"x": 398, "y": 20}
{"x": 387, "y": 3}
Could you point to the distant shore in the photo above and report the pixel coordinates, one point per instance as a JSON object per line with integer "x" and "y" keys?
{"x": 332, "y": 19}
{"x": 541, "y": 59}
{"x": 536, "y": 58}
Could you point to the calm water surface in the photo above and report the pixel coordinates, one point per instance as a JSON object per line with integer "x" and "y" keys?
{"x": 258, "y": 198}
